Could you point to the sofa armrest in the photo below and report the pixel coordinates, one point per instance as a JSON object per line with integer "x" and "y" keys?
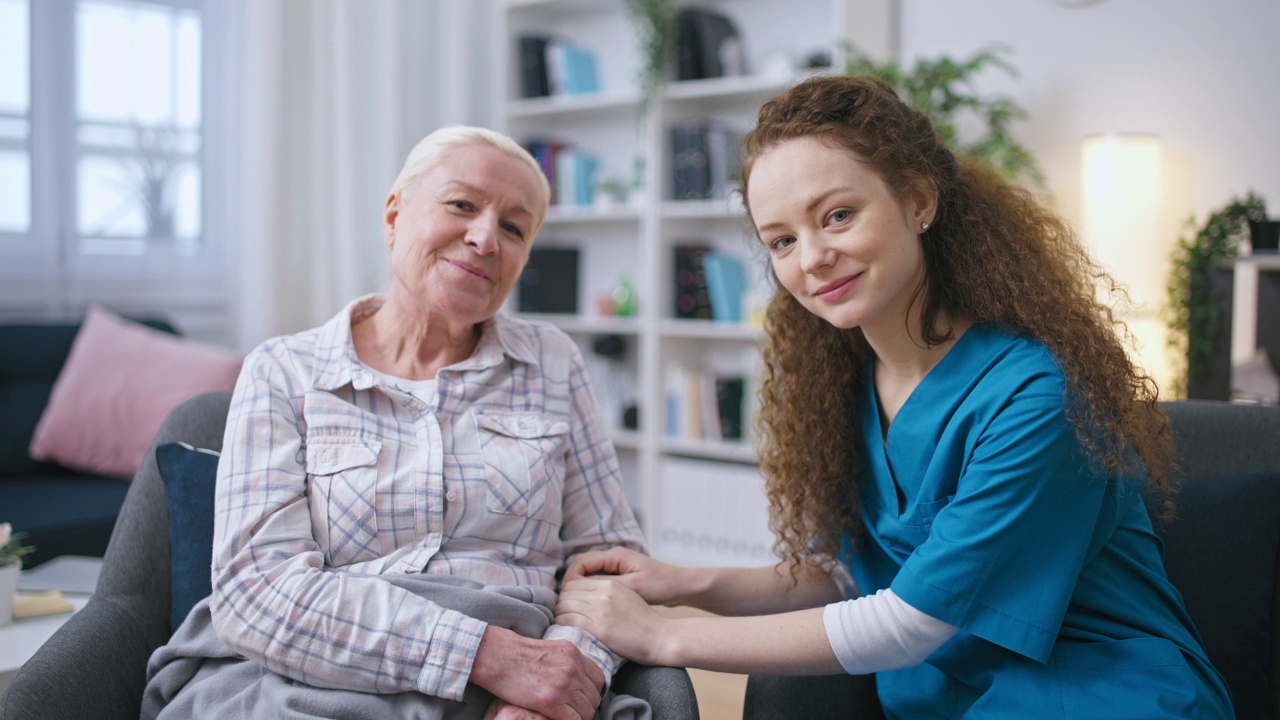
{"x": 94, "y": 666}
{"x": 669, "y": 690}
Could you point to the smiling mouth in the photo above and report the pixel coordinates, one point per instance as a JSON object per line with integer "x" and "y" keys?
{"x": 469, "y": 269}
{"x": 836, "y": 289}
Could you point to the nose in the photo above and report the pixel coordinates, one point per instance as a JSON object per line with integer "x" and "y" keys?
{"x": 482, "y": 235}
{"x": 814, "y": 253}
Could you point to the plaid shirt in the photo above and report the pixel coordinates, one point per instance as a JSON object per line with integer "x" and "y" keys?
{"x": 329, "y": 478}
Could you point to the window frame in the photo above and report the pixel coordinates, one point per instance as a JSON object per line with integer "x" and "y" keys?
{"x": 41, "y": 271}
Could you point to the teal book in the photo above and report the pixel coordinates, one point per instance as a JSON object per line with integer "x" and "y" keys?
{"x": 726, "y": 282}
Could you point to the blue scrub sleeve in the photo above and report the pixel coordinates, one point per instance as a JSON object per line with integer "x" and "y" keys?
{"x": 1002, "y": 558}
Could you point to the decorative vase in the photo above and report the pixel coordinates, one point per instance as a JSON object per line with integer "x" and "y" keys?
{"x": 8, "y": 586}
{"x": 1264, "y": 234}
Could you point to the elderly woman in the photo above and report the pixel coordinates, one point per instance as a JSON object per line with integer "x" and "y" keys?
{"x": 401, "y": 486}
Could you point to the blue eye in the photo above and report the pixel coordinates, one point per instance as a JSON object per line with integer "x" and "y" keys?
{"x": 781, "y": 243}
{"x": 514, "y": 229}
{"x": 840, "y": 216}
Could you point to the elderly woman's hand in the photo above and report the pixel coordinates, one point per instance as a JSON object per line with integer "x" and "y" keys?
{"x": 500, "y": 709}
{"x": 549, "y": 677}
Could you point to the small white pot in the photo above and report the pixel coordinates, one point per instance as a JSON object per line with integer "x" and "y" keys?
{"x": 8, "y": 586}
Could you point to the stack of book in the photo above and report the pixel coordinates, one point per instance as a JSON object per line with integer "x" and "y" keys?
{"x": 570, "y": 171}
{"x": 704, "y": 405}
{"x": 551, "y": 66}
{"x": 708, "y": 285}
{"x": 704, "y": 159}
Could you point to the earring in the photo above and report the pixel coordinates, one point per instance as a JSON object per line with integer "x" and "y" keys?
{"x": 924, "y": 227}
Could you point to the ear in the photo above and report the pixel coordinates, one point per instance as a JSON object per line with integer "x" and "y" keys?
{"x": 921, "y": 205}
{"x": 389, "y": 219}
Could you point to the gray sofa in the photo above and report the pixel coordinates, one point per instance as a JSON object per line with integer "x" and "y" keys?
{"x": 1222, "y": 551}
{"x": 94, "y": 666}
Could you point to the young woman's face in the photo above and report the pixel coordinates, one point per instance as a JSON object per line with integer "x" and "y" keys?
{"x": 460, "y": 235}
{"x": 839, "y": 240}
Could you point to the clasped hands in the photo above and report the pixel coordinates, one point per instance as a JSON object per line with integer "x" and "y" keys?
{"x": 607, "y": 594}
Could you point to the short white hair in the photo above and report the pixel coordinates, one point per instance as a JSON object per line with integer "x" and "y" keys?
{"x": 431, "y": 148}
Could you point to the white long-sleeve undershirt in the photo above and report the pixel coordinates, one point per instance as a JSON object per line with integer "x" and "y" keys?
{"x": 882, "y": 632}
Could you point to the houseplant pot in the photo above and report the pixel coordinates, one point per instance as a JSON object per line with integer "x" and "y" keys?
{"x": 8, "y": 586}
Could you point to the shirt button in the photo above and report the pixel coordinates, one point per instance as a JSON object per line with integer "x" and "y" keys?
{"x": 451, "y": 496}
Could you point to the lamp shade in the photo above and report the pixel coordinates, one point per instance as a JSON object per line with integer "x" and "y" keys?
{"x": 1122, "y": 212}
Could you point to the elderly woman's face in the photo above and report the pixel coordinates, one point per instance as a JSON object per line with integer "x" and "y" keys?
{"x": 461, "y": 235}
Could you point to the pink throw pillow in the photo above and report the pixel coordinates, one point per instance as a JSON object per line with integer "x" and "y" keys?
{"x": 119, "y": 382}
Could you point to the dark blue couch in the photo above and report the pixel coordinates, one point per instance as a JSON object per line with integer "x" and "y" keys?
{"x": 62, "y": 511}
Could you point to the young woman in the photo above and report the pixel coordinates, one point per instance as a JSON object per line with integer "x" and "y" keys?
{"x": 955, "y": 444}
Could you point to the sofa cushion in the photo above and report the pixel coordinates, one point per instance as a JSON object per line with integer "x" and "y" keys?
{"x": 189, "y": 476}
{"x": 31, "y": 356}
{"x": 1222, "y": 552}
{"x": 119, "y": 382}
{"x": 62, "y": 512}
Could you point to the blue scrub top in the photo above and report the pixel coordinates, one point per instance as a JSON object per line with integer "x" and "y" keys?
{"x": 981, "y": 510}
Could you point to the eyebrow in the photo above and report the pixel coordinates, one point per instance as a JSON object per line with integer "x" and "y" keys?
{"x": 480, "y": 191}
{"x": 813, "y": 203}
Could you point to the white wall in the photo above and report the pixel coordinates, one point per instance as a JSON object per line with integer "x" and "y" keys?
{"x": 1201, "y": 75}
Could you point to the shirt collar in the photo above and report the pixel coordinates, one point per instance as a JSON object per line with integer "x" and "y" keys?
{"x": 338, "y": 365}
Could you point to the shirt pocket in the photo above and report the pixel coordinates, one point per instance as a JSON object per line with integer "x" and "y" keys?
{"x": 343, "y": 473}
{"x": 524, "y": 461}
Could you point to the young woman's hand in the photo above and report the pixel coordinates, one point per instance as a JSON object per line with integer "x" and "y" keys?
{"x": 616, "y": 616}
{"x": 655, "y": 581}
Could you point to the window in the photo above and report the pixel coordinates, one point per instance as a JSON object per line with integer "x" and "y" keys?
{"x": 15, "y": 125}
{"x": 106, "y": 152}
{"x": 137, "y": 127}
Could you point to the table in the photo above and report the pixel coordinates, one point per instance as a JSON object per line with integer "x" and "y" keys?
{"x": 23, "y": 638}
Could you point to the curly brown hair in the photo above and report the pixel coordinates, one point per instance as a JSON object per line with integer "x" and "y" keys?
{"x": 992, "y": 254}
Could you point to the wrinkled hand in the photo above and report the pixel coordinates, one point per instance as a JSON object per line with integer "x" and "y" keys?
{"x": 617, "y": 616}
{"x": 500, "y": 709}
{"x": 550, "y": 678}
{"x": 655, "y": 581}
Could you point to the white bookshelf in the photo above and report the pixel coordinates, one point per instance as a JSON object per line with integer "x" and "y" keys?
{"x": 636, "y": 240}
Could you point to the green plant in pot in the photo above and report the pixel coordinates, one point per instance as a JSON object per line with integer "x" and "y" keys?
{"x": 655, "y": 27}
{"x": 944, "y": 90}
{"x": 1195, "y": 289}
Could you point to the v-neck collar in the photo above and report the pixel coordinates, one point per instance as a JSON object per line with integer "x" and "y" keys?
{"x": 881, "y": 431}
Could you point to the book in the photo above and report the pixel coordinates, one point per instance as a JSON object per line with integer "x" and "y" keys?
{"x": 707, "y": 45}
{"x": 571, "y": 70}
{"x": 724, "y": 172}
{"x": 726, "y": 283}
{"x": 549, "y": 283}
{"x": 532, "y": 50}
{"x": 690, "y": 161}
{"x": 704, "y": 159}
{"x": 691, "y": 300}
{"x": 545, "y": 152}
{"x": 730, "y": 392}
{"x": 50, "y": 602}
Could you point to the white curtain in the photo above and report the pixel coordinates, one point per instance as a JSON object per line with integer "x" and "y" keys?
{"x": 333, "y": 93}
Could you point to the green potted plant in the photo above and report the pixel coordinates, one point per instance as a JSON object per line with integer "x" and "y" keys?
{"x": 943, "y": 89}
{"x": 655, "y": 26}
{"x": 1196, "y": 285}
{"x": 11, "y": 552}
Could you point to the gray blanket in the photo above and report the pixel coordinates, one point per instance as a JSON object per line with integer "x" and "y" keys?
{"x": 197, "y": 676}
